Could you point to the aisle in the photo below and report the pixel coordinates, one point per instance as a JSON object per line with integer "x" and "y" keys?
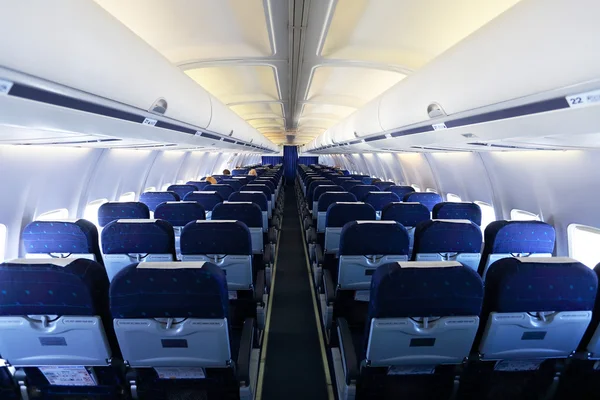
{"x": 294, "y": 364}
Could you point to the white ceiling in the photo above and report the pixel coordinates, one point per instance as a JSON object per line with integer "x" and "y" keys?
{"x": 343, "y": 52}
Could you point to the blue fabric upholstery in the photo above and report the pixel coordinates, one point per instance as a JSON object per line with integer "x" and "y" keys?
{"x": 437, "y": 236}
{"x": 249, "y": 213}
{"x": 367, "y": 180}
{"x": 153, "y": 199}
{"x": 327, "y": 199}
{"x": 78, "y": 288}
{"x": 319, "y": 190}
{"x": 349, "y": 184}
{"x": 180, "y": 213}
{"x": 428, "y": 199}
{"x": 517, "y": 285}
{"x": 339, "y": 215}
{"x": 408, "y": 214}
{"x": 224, "y": 190}
{"x": 242, "y": 180}
{"x": 380, "y": 199}
{"x": 234, "y": 183}
{"x": 341, "y": 179}
{"x": 449, "y": 210}
{"x": 169, "y": 293}
{"x": 80, "y": 237}
{"x": 182, "y": 190}
{"x": 361, "y": 191}
{"x": 373, "y": 238}
{"x": 257, "y": 188}
{"x": 240, "y": 171}
{"x": 216, "y": 237}
{"x": 384, "y": 186}
{"x": 398, "y": 292}
{"x": 311, "y": 189}
{"x": 138, "y": 238}
{"x": 401, "y": 191}
{"x": 503, "y": 237}
{"x": 208, "y": 200}
{"x": 113, "y": 211}
{"x": 257, "y": 198}
{"x": 199, "y": 184}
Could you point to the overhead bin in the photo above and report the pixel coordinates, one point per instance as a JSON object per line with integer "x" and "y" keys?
{"x": 528, "y": 57}
{"x": 78, "y": 45}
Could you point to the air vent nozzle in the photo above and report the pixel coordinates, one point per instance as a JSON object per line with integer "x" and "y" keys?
{"x": 434, "y": 110}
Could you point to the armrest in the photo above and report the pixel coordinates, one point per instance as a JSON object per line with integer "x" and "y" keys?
{"x": 348, "y": 351}
{"x": 307, "y": 222}
{"x": 267, "y": 254}
{"x": 318, "y": 254}
{"x": 246, "y": 345}
{"x": 311, "y": 235}
{"x": 259, "y": 287}
{"x": 272, "y": 235}
{"x": 328, "y": 287}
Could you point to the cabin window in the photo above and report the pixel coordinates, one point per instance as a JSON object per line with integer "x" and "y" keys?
{"x": 3, "y": 235}
{"x": 488, "y": 215}
{"x": 416, "y": 187}
{"x": 584, "y": 242}
{"x": 522, "y": 215}
{"x": 54, "y": 215}
{"x": 451, "y": 197}
{"x": 125, "y": 197}
{"x": 91, "y": 210}
{"x": 431, "y": 190}
{"x": 150, "y": 189}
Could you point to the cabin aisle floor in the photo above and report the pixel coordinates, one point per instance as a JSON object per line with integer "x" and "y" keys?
{"x": 294, "y": 366}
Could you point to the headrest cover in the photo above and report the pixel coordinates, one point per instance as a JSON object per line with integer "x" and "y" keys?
{"x": 340, "y": 214}
{"x": 447, "y": 236}
{"x": 43, "y": 237}
{"x": 138, "y": 238}
{"x": 216, "y": 237}
{"x": 208, "y": 200}
{"x": 521, "y": 284}
{"x": 380, "y": 199}
{"x": 361, "y": 191}
{"x": 180, "y": 213}
{"x": 450, "y": 210}
{"x": 503, "y": 237}
{"x": 169, "y": 293}
{"x": 224, "y": 190}
{"x": 328, "y": 198}
{"x": 428, "y": 199}
{"x": 248, "y": 213}
{"x": 257, "y": 198}
{"x": 153, "y": 199}
{"x": 113, "y": 211}
{"x": 374, "y": 238}
{"x": 401, "y": 191}
{"x": 408, "y": 214}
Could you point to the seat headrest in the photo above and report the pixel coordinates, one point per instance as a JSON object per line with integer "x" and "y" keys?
{"x": 114, "y": 210}
{"x": 539, "y": 284}
{"x": 338, "y": 214}
{"x": 408, "y": 214}
{"x": 153, "y": 199}
{"x": 180, "y": 213}
{"x": 80, "y": 237}
{"x": 319, "y": 190}
{"x": 328, "y": 198}
{"x": 374, "y": 238}
{"x": 234, "y": 183}
{"x": 401, "y": 191}
{"x": 60, "y": 287}
{"x": 144, "y": 237}
{"x": 349, "y": 184}
{"x": 169, "y": 290}
{"x": 251, "y": 187}
{"x": 428, "y": 199}
{"x": 424, "y": 289}
{"x": 249, "y": 213}
{"x": 450, "y": 210}
{"x": 519, "y": 237}
{"x": 446, "y": 236}
{"x": 208, "y": 200}
{"x": 258, "y": 198}
{"x": 224, "y": 190}
{"x": 380, "y": 199}
{"x": 361, "y": 191}
{"x": 216, "y": 237}
{"x": 199, "y": 184}
{"x": 384, "y": 185}
{"x": 182, "y": 190}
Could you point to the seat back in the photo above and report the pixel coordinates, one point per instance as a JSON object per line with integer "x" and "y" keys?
{"x": 384, "y": 186}
{"x": 126, "y": 241}
{"x": 428, "y": 199}
{"x": 409, "y": 215}
{"x": 311, "y": 190}
{"x": 450, "y": 210}
{"x": 57, "y": 239}
{"x": 171, "y": 314}
{"x": 199, "y": 184}
{"x": 240, "y": 171}
{"x": 153, "y": 199}
{"x": 448, "y": 240}
{"x": 223, "y": 190}
{"x": 422, "y": 313}
{"x": 516, "y": 239}
{"x": 536, "y": 308}
{"x": 339, "y": 214}
{"x": 349, "y": 184}
{"x": 243, "y": 180}
{"x": 235, "y": 184}
{"x": 182, "y": 190}
{"x": 338, "y": 180}
{"x": 246, "y": 212}
{"x": 227, "y": 244}
{"x": 54, "y": 312}
{"x": 258, "y": 198}
{"x": 379, "y": 200}
{"x": 591, "y": 339}
{"x": 319, "y": 190}
{"x": 327, "y": 199}
{"x": 364, "y": 246}
{"x": 361, "y": 191}
{"x": 208, "y": 200}
{"x": 179, "y": 214}
{"x": 253, "y": 187}
{"x": 401, "y": 191}
{"x": 114, "y": 210}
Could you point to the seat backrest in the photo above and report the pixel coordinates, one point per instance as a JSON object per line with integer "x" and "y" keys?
{"x": 318, "y": 191}
{"x": 450, "y": 210}
{"x": 339, "y": 214}
{"x": 115, "y": 210}
{"x": 408, "y": 214}
{"x": 199, "y": 184}
{"x": 349, "y": 184}
{"x": 311, "y": 189}
{"x": 384, "y": 186}
{"x": 255, "y": 187}
{"x": 180, "y": 213}
{"x": 267, "y": 182}
{"x": 401, "y": 191}
{"x": 126, "y": 241}
{"x": 226, "y": 243}
{"x": 246, "y": 212}
{"x": 240, "y": 171}
{"x": 327, "y": 199}
{"x": 243, "y": 180}
{"x": 591, "y": 339}
{"x": 516, "y": 239}
{"x": 422, "y": 313}
{"x": 52, "y": 239}
{"x": 380, "y": 199}
{"x": 182, "y": 190}
{"x": 364, "y": 246}
{"x": 224, "y": 190}
{"x": 257, "y": 198}
{"x": 234, "y": 183}
{"x": 55, "y": 312}
{"x": 338, "y": 180}
{"x": 208, "y": 200}
{"x": 428, "y": 199}
{"x": 536, "y": 308}
{"x": 177, "y": 306}
{"x": 153, "y": 199}
{"x": 448, "y": 240}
